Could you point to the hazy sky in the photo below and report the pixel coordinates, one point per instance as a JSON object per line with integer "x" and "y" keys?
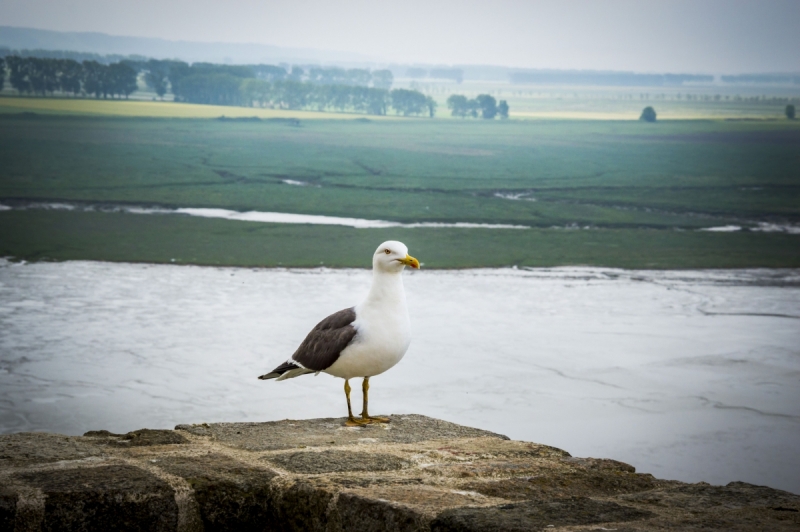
{"x": 719, "y": 36}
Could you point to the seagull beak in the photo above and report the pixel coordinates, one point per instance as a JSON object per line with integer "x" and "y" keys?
{"x": 410, "y": 261}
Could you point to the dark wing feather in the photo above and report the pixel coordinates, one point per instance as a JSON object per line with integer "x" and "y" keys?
{"x": 322, "y": 346}
{"x": 326, "y": 341}
{"x": 280, "y": 370}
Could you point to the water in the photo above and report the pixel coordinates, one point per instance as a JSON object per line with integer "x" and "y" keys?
{"x": 358, "y": 223}
{"x": 762, "y": 227}
{"x": 690, "y": 375}
{"x": 257, "y": 216}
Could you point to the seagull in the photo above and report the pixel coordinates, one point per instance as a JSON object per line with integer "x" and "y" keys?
{"x": 361, "y": 341}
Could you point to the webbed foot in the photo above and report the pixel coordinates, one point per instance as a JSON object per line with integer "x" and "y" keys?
{"x": 376, "y": 419}
{"x": 356, "y": 422}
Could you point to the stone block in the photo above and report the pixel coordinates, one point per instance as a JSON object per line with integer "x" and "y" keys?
{"x": 8, "y": 508}
{"x": 536, "y": 515}
{"x": 365, "y": 514}
{"x": 114, "y": 497}
{"x": 230, "y": 495}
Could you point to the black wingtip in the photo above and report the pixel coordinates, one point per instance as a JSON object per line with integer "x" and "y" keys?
{"x": 268, "y": 376}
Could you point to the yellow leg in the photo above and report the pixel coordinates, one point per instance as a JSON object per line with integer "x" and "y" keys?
{"x": 351, "y": 421}
{"x": 365, "y": 414}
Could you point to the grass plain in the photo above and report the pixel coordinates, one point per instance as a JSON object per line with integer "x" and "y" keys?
{"x": 610, "y": 193}
{"x": 59, "y": 235}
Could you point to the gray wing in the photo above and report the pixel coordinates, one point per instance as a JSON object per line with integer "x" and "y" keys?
{"x": 322, "y": 346}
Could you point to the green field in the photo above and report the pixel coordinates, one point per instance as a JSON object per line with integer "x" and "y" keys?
{"x": 612, "y": 193}
{"x": 155, "y": 109}
{"x": 58, "y": 235}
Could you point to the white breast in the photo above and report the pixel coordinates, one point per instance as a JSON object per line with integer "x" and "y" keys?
{"x": 384, "y": 332}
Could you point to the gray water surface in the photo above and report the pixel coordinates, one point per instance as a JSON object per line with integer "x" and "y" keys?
{"x": 690, "y": 375}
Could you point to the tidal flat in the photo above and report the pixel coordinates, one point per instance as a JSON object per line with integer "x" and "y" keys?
{"x": 608, "y": 193}
{"x": 686, "y": 374}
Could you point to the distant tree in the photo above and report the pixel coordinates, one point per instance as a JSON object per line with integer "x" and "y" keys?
{"x": 157, "y": 76}
{"x": 432, "y": 105}
{"x": 43, "y": 75}
{"x": 94, "y": 79}
{"x": 318, "y": 75}
{"x": 789, "y": 112}
{"x": 2, "y": 72}
{"x": 269, "y": 72}
{"x": 377, "y": 101}
{"x": 488, "y": 106}
{"x": 122, "y": 79}
{"x": 292, "y": 94}
{"x": 324, "y": 76}
{"x": 458, "y": 105}
{"x": 208, "y": 83}
{"x": 408, "y": 102}
{"x": 18, "y": 69}
{"x": 137, "y": 66}
{"x": 70, "y": 73}
{"x": 296, "y": 74}
{"x": 648, "y": 114}
{"x": 416, "y": 73}
{"x": 502, "y": 109}
{"x": 211, "y": 88}
{"x": 369, "y": 100}
{"x": 358, "y": 77}
{"x": 256, "y": 91}
{"x": 340, "y": 97}
{"x": 382, "y": 79}
{"x": 238, "y": 71}
{"x": 178, "y": 70}
{"x": 472, "y": 108}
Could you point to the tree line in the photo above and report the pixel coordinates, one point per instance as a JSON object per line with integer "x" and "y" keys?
{"x": 160, "y": 74}
{"x": 321, "y": 89}
{"x": 43, "y": 76}
{"x": 207, "y": 83}
{"x": 290, "y": 94}
{"x": 483, "y": 105}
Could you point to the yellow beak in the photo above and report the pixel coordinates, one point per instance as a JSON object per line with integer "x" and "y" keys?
{"x": 410, "y": 261}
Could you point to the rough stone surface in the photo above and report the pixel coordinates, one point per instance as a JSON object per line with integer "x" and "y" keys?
{"x": 330, "y": 461}
{"x": 138, "y": 438}
{"x": 38, "y": 447}
{"x": 416, "y": 473}
{"x": 328, "y": 432}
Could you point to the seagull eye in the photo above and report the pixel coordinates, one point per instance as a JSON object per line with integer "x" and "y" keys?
{"x": 386, "y": 251}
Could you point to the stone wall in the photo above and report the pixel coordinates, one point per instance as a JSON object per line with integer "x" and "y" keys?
{"x": 416, "y": 473}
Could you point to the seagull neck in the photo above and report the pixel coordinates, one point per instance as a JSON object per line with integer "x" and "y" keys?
{"x": 387, "y": 287}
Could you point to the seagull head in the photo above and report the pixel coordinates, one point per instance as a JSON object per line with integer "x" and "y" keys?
{"x": 392, "y": 256}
